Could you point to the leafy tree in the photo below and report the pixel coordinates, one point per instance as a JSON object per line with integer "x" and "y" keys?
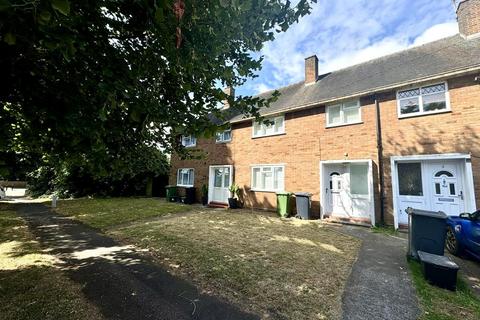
{"x": 86, "y": 82}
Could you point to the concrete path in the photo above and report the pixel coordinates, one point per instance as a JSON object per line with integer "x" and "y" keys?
{"x": 379, "y": 286}
{"x": 122, "y": 282}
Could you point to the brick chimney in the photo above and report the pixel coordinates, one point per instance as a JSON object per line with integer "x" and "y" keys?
{"x": 231, "y": 92}
{"x": 468, "y": 16}
{"x": 311, "y": 69}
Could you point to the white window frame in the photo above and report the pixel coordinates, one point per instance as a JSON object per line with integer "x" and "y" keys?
{"x": 272, "y": 166}
{"x": 342, "y": 117}
{"x": 193, "y": 177}
{"x": 420, "y": 101}
{"x": 222, "y": 140}
{"x": 282, "y": 130}
{"x": 193, "y": 140}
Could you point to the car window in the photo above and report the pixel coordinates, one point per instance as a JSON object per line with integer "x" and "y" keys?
{"x": 475, "y": 216}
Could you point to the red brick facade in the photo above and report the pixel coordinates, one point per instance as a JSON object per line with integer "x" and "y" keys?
{"x": 307, "y": 141}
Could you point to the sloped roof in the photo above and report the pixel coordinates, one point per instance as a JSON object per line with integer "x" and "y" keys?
{"x": 442, "y": 57}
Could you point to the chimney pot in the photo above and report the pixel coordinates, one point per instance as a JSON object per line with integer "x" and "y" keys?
{"x": 311, "y": 69}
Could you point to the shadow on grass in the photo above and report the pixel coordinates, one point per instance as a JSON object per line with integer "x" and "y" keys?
{"x": 119, "y": 280}
{"x": 41, "y": 292}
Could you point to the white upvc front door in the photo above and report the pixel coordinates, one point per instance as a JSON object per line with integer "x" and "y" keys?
{"x": 220, "y": 179}
{"x": 446, "y": 184}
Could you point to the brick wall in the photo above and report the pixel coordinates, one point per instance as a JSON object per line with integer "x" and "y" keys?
{"x": 455, "y": 131}
{"x": 307, "y": 141}
{"x": 211, "y": 153}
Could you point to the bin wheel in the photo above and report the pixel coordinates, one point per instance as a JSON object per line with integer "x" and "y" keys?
{"x": 451, "y": 242}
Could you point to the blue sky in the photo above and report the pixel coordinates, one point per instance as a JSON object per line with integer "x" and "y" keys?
{"x": 346, "y": 32}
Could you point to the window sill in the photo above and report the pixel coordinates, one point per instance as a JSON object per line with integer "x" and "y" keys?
{"x": 360, "y": 196}
{"x": 269, "y": 135}
{"x": 423, "y": 114}
{"x": 266, "y": 191}
{"x": 343, "y": 124}
{"x": 223, "y": 142}
{"x": 184, "y": 186}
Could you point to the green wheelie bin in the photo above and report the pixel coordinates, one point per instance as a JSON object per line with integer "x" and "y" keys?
{"x": 171, "y": 192}
{"x": 283, "y": 204}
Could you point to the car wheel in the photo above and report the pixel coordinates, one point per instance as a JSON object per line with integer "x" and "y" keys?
{"x": 451, "y": 242}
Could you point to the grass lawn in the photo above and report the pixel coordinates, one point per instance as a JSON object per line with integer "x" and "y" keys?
{"x": 441, "y": 304}
{"x": 30, "y": 286}
{"x": 108, "y": 212}
{"x": 282, "y": 269}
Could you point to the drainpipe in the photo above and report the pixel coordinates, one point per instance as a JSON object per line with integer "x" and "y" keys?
{"x": 380, "y": 161}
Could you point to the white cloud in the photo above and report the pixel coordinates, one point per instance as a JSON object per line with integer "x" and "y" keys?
{"x": 436, "y": 32}
{"x": 262, "y": 87}
{"x": 346, "y": 32}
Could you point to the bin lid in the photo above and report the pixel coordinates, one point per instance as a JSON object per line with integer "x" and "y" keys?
{"x": 283, "y": 193}
{"x": 442, "y": 261}
{"x": 170, "y": 186}
{"x": 426, "y": 213}
{"x": 303, "y": 194}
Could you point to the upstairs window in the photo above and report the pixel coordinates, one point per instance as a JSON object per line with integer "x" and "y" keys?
{"x": 343, "y": 114}
{"x": 263, "y": 130}
{"x": 423, "y": 100}
{"x": 189, "y": 141}
{"x": 185, "y": 177}
{"x": 224, "y": 136}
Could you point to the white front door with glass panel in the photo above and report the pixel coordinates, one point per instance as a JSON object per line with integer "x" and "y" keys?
{"x": 447, "y": 195}
{"x": 337, "y": 195}
{"x": 220, "y": 180}
{"x": 430, "y": 185}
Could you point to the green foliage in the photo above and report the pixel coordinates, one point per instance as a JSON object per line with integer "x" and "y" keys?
{"x": 204, "y": 190}
{"x": 83, "y": 81}
{"x": 130, "y": 174}
{"x": 234, "y": 190}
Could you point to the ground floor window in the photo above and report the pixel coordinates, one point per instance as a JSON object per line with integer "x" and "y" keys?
{"x": 185, "y": 177}
{"x": 268, "y": 178}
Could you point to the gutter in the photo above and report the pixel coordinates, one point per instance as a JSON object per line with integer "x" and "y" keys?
{"x": 380, "y": 161}
{"x": 368, "y": 92}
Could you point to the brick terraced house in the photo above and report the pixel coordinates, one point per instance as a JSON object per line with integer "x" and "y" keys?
{"x": 367, "y": 141}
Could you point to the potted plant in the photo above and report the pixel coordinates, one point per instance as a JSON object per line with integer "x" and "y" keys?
{"x": 204, "y": 195}
{"x": 234, "y": 191}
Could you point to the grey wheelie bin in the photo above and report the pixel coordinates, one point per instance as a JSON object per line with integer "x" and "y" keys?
{"x": 303, "y": 205}
{"x": 427, "y": 232}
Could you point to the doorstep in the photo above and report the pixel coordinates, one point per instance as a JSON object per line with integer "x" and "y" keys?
{"x": 219, "y": 205}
